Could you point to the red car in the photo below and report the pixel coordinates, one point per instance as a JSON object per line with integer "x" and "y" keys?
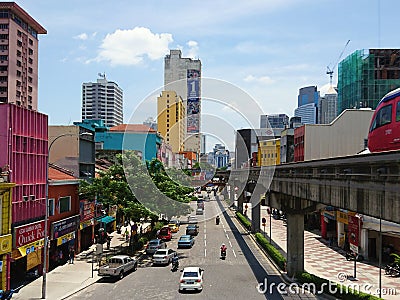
{"x": 165, "y": 234}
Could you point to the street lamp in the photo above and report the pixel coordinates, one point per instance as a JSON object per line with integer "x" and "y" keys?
{"x": 47, "y": 209}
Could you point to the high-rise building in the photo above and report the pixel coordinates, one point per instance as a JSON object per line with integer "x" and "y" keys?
{"x": 18, "y": 56}
{"x": 102, "y": 100}
{"x": 365, "y": 76}
{"x": 220, "y": 156}
{"x": 171, "y": 119}
{"x": 307, "y": 105}
{"x": 327, "y": 107}
{"x": 308, "y": 94}
{"x": 307, "y": 113}
{"x": 183, "y": 75}
{"x": 151, "y": 123}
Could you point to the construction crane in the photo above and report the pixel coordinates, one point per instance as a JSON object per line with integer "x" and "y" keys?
{"x": 329, "y": 70}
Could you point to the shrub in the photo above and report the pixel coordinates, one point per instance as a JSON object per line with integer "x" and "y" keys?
{"x": 243, "y": 220}
{"x": 274, "y": 253}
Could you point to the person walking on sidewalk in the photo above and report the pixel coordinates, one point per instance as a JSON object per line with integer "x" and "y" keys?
{"x": 71, "y": 255}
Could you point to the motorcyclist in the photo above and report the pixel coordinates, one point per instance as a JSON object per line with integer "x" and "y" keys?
{"x": 175, "y": 260}
{"x": 223, "y": 248}
{"x": 217, "y": 220}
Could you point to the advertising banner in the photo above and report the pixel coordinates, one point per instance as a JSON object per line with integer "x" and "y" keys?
{"x": 193, "y": 102}
{"x": 354, "y": 233}
{"x": 86, "y": 210}
{"x": 28, "y": 233}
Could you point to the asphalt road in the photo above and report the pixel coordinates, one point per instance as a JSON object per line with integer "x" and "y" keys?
{"x": 237, "y": 277}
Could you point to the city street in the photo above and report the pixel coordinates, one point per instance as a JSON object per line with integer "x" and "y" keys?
{"x": 235, "y": 278}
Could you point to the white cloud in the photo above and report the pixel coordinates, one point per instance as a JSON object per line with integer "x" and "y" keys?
{"x": 261, "y": 79}
{"x": 193, "y": 49}
{"x": 129, "y": 47}
{"x": 82, "y": 36}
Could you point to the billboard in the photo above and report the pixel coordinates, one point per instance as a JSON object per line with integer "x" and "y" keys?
{"x": 193, "y": 102}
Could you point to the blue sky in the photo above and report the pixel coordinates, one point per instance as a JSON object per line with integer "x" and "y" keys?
{"x": 268, "y": 48}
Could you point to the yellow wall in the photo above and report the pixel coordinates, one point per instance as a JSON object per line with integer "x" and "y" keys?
{"x": 5, "y": 234}
{"x": 171, "y": 119}
{"x": 269, "y": 152}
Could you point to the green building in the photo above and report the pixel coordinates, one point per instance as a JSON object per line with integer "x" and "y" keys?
{"x": 365, "y": 76}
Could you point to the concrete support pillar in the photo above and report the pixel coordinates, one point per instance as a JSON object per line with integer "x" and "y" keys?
{"x": 241, "y": 199}
{"x": 340, "y": 234}
{"x": 295, "y": 243}
{"x": 364, "y": 243}
{"x": 255, "y": 212}
{"x": 231, "y": 194}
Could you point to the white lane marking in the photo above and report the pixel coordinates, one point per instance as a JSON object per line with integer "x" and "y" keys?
{"x": 225, "y": 230}
{"x": 230, "y": 244}
{"x": 227, "y": 237}
{"x": 205, "y": 242}
{"x": 205, "y": 252}
{"x": 234, "y": 252}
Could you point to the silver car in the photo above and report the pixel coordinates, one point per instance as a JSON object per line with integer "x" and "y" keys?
{"x": 155, "y": 245}
{"x": 163, "y": 256}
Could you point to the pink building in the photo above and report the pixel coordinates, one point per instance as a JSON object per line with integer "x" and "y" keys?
{"x": 18, "y": 56}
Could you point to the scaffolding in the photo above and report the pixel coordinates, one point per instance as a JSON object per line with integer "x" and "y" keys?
{"x": 365, "y": 76}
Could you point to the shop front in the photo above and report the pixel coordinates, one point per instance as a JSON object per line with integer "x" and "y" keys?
{"x": 27, "y": 253}
{"x": 328, "y": 224}
{"x": 86, "y": 225}
{"x": 63, "y": 235}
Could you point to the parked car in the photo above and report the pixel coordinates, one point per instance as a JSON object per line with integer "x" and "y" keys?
{"x": 165, "y": 234}
{"x": 154, "y": 245}
{"x": 200, "y": 204}
{"x": 163, "y": 256}
{"x": 186, "y": 241}
{"x": 191, "y": 279}
{"x": 174, "y": 227}
{"x": 199, "y": 211}
{"x": 192, "y": 229}
{"x": 118, "y": 266}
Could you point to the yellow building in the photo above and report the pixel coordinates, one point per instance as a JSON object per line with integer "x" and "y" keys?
{"x": 269, "y": 152}
{"x": 5, "y": 232}
{"x": 171, "y": 119}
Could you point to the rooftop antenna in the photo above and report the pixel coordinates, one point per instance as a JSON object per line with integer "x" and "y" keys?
{"x": 329, "y": 70}
{"x": 102, "y": 75}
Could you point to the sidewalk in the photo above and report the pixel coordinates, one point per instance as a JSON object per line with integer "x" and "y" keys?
{"x": 68, "y": 279}
{"x": 330, "y": 262}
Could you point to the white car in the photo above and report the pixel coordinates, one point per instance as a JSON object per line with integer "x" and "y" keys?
{"x": 163, "y": 256}
{"x": 191, "y": 279}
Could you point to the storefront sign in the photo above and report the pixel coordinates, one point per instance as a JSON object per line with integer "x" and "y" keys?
{"x": 5, "y": 243}
{"x": 330, "y": 214}
{"x": 85, "y": 224}
{"x": 26, "y": 249}
{"x": 63, "y": 227}
{"x": 342, "y": 217}
{"x": 33, "y": 259}
{"x": 29, "y": 233}
{"x": 86, "y": 210}
{"x": 65, "y": 238}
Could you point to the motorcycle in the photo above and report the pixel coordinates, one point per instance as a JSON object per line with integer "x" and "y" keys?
{"x": 175, "y": 266}
{"x": 392, "y": 269}
{"x": 223, "y": 254}
{"x": 6, "y": 295}
{"x": 353, "y": 256}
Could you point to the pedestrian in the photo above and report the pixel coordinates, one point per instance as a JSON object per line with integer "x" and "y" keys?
{"x": 126, "y": 234}
{"x": 71, "y": 255}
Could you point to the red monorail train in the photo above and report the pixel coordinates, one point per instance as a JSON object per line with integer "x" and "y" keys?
{"x": 384, "y": 131}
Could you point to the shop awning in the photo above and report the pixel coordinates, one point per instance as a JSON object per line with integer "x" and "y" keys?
{"x": 106, "y": 219}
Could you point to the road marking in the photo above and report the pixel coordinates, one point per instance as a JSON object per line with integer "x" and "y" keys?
{"x": 205, "y": 252}
{"x": 234, "y": 254}
{"x": 225, "y": 230}
{"x": 230, "y": 244}
{"x": 227, "y": 237}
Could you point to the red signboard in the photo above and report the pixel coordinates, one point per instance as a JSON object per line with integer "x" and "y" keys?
{"x": 354, "y": 232}
{"x": 28, "y": 233}
{"x": 86, "y": 210}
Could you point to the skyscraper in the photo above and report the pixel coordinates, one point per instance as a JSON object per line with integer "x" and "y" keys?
{"x": 307, "y": 105}
{"x": 102, "y": 100}
{"x": 170, "y": 119}
{"x": 327, "y": 107}
{"x": 18, "y": 56}
{"x": 183, "y": 75}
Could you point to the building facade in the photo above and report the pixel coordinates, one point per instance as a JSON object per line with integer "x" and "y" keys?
{"x": 183, "y": 75}
{"x": 274, "y": 121}
{"x": 171, "y": 119}
{"x": 18, "y": 56}
{"x": 220, "y": 156}
{"x": 269, "y": 152}
{"x": 327, "y": 106}
{"x": 287, "y": 146}
{"x": 103, "y": 100}
{"x": 365, "y": 76}
{"x": 308, "y": 94}
{"x": 307, "y": 113}
{"x": 344, "y": 136}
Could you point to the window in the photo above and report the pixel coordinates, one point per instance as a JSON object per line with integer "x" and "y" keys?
{"x": 64, "y": 204}
{"x": 30, "y": 60}
{"x": 3, "y": 47}
{"x": 29, "y": 79}
{"x": 51, "y": 207}
{"x": 30, "y": 42}
{"x": 30, "y": 70}
{"x": 19, "y": 43}
{"x": 383, "y": 117}
{"x": 3, "y": 26}
{"x": 19, "y": 33}
{"x": 26, "y": 198}
{"x": 19, "y": 64}
{"x": 29, "y": 89}
{"x": 3, "y": 78}
{"x": 398, "y": 112}
{"x": 18, "y": 82}
{"x": 3, "y": 89}
{"x": 3, "y": 36}
{"x": 18, "y": 73}
{"x": 18, "y": 53}
{"x": 4, "y": 14}
{"x": 3, "y": 57}
{"x": 30, "y": 51}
